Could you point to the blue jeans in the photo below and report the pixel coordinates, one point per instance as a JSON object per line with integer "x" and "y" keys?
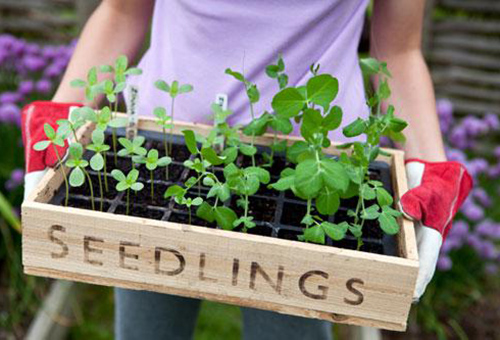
{"x": 142, "y": 315}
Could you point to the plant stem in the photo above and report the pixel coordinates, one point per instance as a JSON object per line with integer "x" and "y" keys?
{"x": 64, "y": 175}
{"x": 189, "y": 209}
{"x": 91, "y": 188}
{"x": 171, "y": 126}
{"x": 100, "y": 189}
{"x": 128, "y": 199}
{"x": 253, "y": 133}
{"x": 74, "y": 133}
{"x": 246, "y": 213}
{"x": 105, "y": 174}
{"x": 166, "y": 150}
{"x": 152, "y": 186}
{"x": 114, "y": 146}
{"x": 275, "y": 138}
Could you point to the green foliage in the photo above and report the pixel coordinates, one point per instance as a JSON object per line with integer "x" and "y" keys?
{"x": 132, "y": 148}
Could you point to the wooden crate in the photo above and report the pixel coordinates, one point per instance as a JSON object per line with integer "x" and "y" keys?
{"x": 290, "y": 277}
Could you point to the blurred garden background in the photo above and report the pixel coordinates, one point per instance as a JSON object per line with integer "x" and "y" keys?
{"x": 462, "y": 46}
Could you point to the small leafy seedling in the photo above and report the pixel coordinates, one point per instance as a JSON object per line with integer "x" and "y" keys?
{"x": 165, "y": 121}
{"x": 76, "y": 119}
{"x": 132, "y": 148}
{"x": 98, "y": 160}
{"x": 77, "y": 176}
{"x": 128, "y": 183}
{"x": 152, "y": 161}
{"x": 91, "y": 85}
{"x": 188, "y": 202}
{"x": 173, "y": 90}
{"x": 55, "y": 139}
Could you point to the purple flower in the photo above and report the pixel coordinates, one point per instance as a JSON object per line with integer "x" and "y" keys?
{"x": 496, "y": 152}
{"x": 10, "y": 97}
{"x": 477, "y": 166}
{"x": 492, "y": 121}
{"x": 482, "y": 196}
{"x": 10, "y": 113}
{"x": 49, "y": 52}
{"x": 475, "y": 242}
{"x": 43, "y": 86}
{"x": 54, "y": 70}
{"x": 472, "y": 211}
{"x": 488, "y": 228}
{"x": 444, "y": 263}
{"x": 445, "y": 112}
{"x": 456, "y": 155}
{"x": 488, "y": 251}
{"x": 450, "y": 244}
{"x": 475, "y": 126}
{"x": 33, "y": 63}
{"x": 15, "y": 180}
{"x": 460, "y": 229}
{"x": 458, "y": 137}
{"x": 26, "y": 87}
{"x": 494, "y": 171}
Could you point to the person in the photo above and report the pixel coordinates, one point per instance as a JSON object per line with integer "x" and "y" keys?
{"x": 194, "y": 41}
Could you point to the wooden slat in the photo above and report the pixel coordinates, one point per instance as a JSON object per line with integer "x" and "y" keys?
{"x": 468, "y": 42}
{"x": 468, "y": 26}
{"x": 461, "y": 58}
{"x": 446, "y": 75}
{"x": 471, "y": 92}
{"x": 478, "y": 6}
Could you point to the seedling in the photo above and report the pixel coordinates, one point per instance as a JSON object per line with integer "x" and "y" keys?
{"x": 245, "y": 182}
{"x": 173, "y": 90}
{"x": 132, "y": 148}
{"x": 98, "y": 160}
{"x": 90, "y": 85}
{"x": 165, "y": 121}
{"x": 77, "y": 176}
{"x": 188, "y": 202}
{"x": 128, "y": 183}
{"x": 76, "y": 119}
{"x": 152, "y": 162}
{"x": 112, "y": 88}
{"x": 253, "y": 95}
{"x": 55, "y": 139}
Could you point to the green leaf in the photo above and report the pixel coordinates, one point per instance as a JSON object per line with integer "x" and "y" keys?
{"x": 190, "y": 140}
{"x": 76, "y": 178}
{"x": 133, "y": 71}
{"x": 281, "y": 124}
{"x": 283, "y": 183}
{"x": 367, "y": 192}
{"x": 388, "y": 223}
{"x": 121, "y": 63}
{"x": 355, "y": 128}
{"x": 97, "y": 162}
{"x": 133, "y": 175}
{"x": 230, "y": 154}
{"x": 76, "y": 150}
{"x": 77, "y": 83}
{"x": 315, "y": 234}
{"x": 397, "y": 124}
{"x": 225, "y": 217}
{"x": 210, "y": 155}
{"x": 160, "y": 113}
{"x": 185, "y": 88}
{"x": 122, "y": 186}
{"x": 42, "y": 145}
{"x": 296, "y": 150}
{"x": 174, "y": 190}
{"x": 308, "y": 178}
{"x": 355, "y": 230}
{"x": 118, "y": 122}
{"x": 333, "y": 119}
{"x": 322, "y": 90}
{"x": 164, "y": 161}
{"x": 49, "y": 131}
{"x": 247, "y": 149}
{"x": 334, "y": 175}
{"x": 288, "y": 102}
{"x": 162, "y": 85}
{"x": 253, "y": 93}
{"x": 206, "y": 212}
{"x": 327, "y": 202}
{"x": 236, "y": 75}
{"x": 272, "y": 71}
{"x": 257, "y": 126}
{"x": 137, "y": 186}
{"x": 383, "y": 197}
{"x": 311, "y": 123}
{"x": 197, "y": 201}
{"x": 335, "y": 231}
{"x": 283, "y": 80}
{"x": 369, "y": 66}
{"x": 92, "y": 76}
{"x": 118, "y": 175}
{"x": 370, "y": 213}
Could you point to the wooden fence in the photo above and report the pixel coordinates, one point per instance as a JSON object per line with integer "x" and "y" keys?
{"x": 55, "y": 21}
{"x": 462, "y": 46}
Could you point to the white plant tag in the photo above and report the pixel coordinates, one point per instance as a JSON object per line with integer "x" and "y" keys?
{"x": 221, "y": 100}
{"x": 131, "y": 130}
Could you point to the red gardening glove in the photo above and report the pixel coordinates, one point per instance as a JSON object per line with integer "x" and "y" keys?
{"x": 436, "y": 195}
{"x": 437, "y": 190}
{"x": 34, "y": 116}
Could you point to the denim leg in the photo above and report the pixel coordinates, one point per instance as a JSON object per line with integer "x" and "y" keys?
{"x": 142, "y": 315}
{"x": 263, "y": 325}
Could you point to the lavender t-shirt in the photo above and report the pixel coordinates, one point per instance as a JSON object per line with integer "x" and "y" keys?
{"x": 194, "y": 41}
